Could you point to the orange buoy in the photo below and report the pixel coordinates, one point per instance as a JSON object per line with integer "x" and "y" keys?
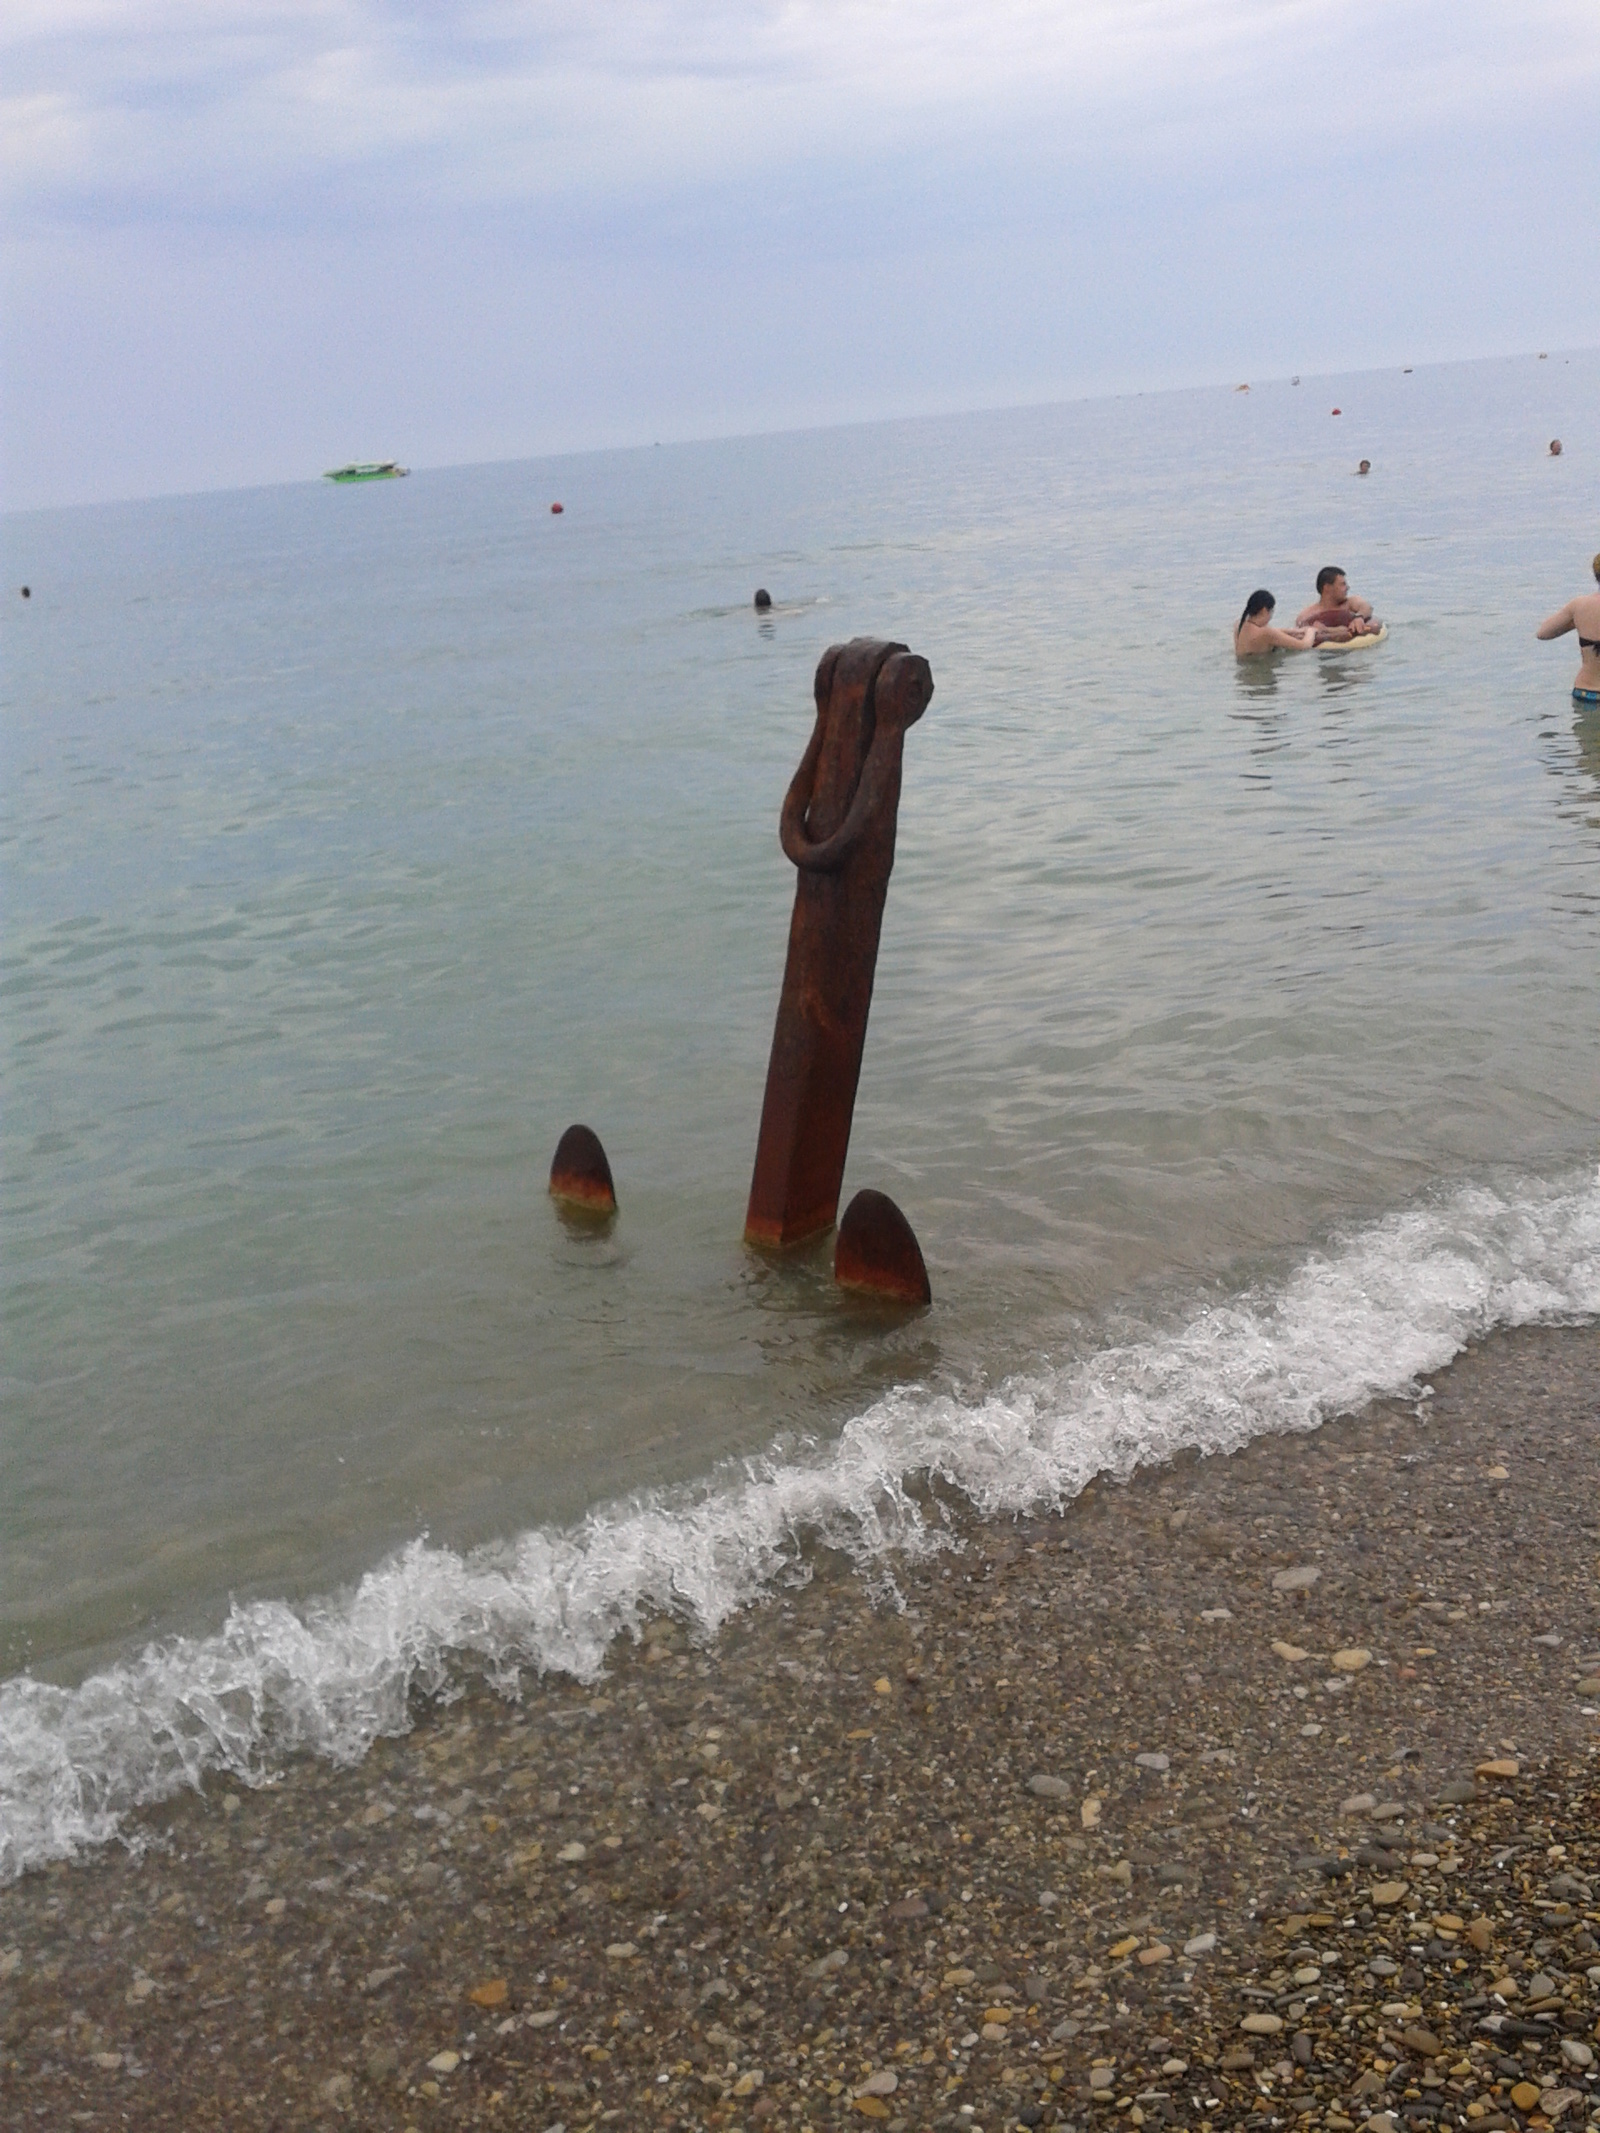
{"x": 556, "y": 510}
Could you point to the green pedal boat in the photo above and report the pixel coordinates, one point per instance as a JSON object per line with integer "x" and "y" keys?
{"x": 367, "y": 470}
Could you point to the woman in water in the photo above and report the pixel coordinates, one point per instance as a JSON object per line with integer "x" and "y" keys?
{"x": 1582, "y": 615}
{"x": 1253, "y": 632}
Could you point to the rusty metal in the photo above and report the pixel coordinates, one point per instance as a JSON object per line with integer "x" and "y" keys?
{"x": 580, "y": 1176}
{"x": 877, "y": 1254}
{"x": 838, "y": 827}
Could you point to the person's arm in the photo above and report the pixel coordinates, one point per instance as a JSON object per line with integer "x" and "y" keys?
{"x": 1295, "y": 640}
{"x": 1306, "y": 614}
{"x": 1359, "y": 607}
{"x": 1558, "y": 624}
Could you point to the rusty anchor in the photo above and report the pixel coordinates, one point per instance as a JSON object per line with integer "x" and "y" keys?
{"x": 580, "y": 1176}
{"x": 838, "y": 828}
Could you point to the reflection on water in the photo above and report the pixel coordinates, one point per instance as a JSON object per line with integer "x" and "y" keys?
{"x": 1258, "y": 678}
{"x": 1342, "y": 677}
{"x": 1586, "y": 731}
{"x": 1572, "y": 758}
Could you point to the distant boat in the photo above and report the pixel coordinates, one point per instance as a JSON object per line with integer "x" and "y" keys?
{"x": 367, "y": 470}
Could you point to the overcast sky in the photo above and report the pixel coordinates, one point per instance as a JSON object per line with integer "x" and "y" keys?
{"x": 244, "y": 242}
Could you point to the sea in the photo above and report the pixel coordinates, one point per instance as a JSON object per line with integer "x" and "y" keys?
{"x": 1233, "y": 1053}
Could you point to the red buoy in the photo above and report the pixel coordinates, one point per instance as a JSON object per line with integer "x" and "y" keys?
{"x": 1338, "y": 410}
{"x": 557, "y": 509}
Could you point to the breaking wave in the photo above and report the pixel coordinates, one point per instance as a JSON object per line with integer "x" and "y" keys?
{"x": 1363, "y": 1318}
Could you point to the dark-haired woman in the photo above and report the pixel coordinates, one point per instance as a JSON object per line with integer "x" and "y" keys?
{"x": 1254, "y": 633}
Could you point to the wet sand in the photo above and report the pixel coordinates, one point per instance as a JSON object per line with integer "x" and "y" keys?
{"x": 1027, "y": 1849}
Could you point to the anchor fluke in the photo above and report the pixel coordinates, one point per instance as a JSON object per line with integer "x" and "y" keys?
{"x": 580, "y": 1176}
{"x": 876, "y": 1252}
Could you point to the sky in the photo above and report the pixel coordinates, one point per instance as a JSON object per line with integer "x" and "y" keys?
{"x": 243, "y": 243}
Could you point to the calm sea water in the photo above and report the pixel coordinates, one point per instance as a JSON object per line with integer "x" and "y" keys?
{"x": 1233, "y": 1050}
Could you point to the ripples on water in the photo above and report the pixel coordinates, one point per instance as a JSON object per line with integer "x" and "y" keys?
{"x": 355, "y": 842}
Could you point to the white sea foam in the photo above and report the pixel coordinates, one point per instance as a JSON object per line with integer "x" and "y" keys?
{"x": 1365, "y": 1317}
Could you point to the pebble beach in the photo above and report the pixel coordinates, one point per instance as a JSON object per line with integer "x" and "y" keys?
{"x": 1261, "y": 1791}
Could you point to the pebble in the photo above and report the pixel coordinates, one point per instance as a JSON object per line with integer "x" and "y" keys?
{"x": 1262, "y": 2025}
{"x": 491, "y": 1993}
{"x": 1361, "y": 1804}
{"x": 1525, "y": 2095}
{"x": 1300, "y": 1579}
{"x": 1050, "y": 1788}
{"x": 571, "y": 1854}
{"x": 1089, "y": 1814}
{"x": 1202, "y": 1944}
{"x": 1352, "y": 1659}
{"x": 1387, "y": 1893}
{"x": 1152, "y": 1760}
{"x": 1501, "y": 1766}
{"x": 444, "y": 2062}
{"x": 1421, "y": 2041}
{"x": 1576, "y": 2052}
{"x": 883, "y": 2083}
{"x": 1291, "y": 1652}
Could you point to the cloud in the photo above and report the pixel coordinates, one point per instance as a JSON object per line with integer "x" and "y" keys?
{"x": 199, "y": 109}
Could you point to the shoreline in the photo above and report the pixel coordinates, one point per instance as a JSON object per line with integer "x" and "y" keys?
{"x": 851, "y": 1862}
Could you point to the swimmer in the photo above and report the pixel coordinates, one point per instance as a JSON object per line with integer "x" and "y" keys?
{"x": 1253, "y": 633}
{"x": 763, "y": 599}
{"x": 1336, "y": 611}
{"x": 1555, "y": 448}
{"x": 27, "y": 592}
{"x": 1365, "y": 467}
{"x": 1580, "y": 614}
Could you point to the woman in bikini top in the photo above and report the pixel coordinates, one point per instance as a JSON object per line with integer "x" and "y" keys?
{"x": 1581, "y": 614}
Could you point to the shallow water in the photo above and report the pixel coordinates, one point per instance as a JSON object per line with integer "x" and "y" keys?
{"x": 1232, "y": 1051}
